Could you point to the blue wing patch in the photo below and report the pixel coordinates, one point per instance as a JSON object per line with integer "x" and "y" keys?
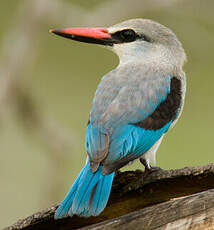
{"x": 129, "y": 143}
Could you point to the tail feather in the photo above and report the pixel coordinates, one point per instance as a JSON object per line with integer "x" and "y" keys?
{"x": 82, "y": 197}
{"x": 88, "y": 195}
{"x": 100, "y": 198}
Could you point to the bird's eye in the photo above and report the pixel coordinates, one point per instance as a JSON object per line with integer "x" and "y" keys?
{"x": 128, "y": 35}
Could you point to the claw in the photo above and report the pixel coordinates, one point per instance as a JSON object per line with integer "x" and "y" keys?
{"x": 148, "y": 168}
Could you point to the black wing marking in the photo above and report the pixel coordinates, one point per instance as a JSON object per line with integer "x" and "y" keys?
{"x": 167, "y": 110}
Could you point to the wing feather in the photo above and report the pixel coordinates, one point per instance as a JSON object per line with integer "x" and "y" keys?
{"x": 119, "y": 103}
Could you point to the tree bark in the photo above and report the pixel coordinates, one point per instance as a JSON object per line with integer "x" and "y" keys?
{"x": 171, "y": 199}
{"x": 189, "y": 212}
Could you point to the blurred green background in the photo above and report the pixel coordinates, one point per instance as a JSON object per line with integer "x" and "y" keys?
{"x": 47, "y": 84}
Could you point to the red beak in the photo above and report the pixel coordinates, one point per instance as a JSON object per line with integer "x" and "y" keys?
{"x": 89, "y": 35}
{"x": 84, "y": 32}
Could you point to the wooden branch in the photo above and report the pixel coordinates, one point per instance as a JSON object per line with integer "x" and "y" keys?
{"x": 169, "y": 193}
{"x": 189, "y": 212}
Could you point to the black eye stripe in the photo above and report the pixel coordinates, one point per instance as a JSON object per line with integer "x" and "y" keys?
{"x": 128, "y": 35}
{"x": 123, "y": 36}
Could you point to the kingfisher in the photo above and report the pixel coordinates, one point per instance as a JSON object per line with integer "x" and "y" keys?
{"x": 134, "y": 106}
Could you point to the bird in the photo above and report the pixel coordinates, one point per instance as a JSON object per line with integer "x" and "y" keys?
{"x": 134, "y": 106}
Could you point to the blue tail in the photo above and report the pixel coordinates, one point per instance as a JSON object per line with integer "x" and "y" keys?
{"x": 88, "y": 195}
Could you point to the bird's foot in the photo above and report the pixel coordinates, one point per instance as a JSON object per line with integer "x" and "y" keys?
{"x": 151, "y": 169}
{"x": 148, "y": 168}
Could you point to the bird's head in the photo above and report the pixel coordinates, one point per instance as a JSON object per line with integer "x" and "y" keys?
{"x": 133, "y": 40}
